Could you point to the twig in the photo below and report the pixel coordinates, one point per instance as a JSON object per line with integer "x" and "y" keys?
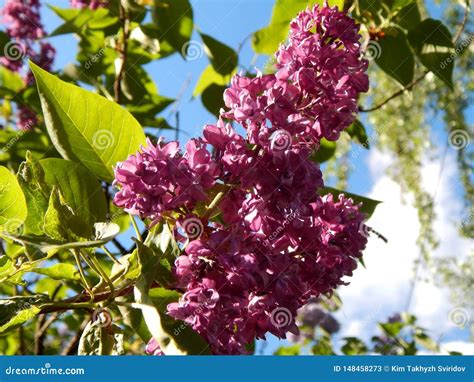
{"x": 396, "y": 94}
{"x": 123, "y": 52}
{"x": 467, "y": 10}
{"x": 83, "y": 300}
{"x": 71, "y": 346}
{"x": 119, "y": 246}
{"x": 416, "y": 80}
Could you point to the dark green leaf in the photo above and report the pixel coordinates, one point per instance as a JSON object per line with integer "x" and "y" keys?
{"x": 212, "y": 98}
{"x": 60, "y": 223}
{"x": 223, "y": 58}
{"x": 4, "y": 40}
{"x": 396, "y": 58}
{"x": 174, "y": 19}
{"x": 408, "y": 17}
{"x": 434, "y": 46}
{"x": 357, "y": 132}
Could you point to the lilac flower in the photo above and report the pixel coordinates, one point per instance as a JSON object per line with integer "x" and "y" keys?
{"x": 153, "y": 348}
{"x": 160, "y": 178}
{"x": 313, "y": 94}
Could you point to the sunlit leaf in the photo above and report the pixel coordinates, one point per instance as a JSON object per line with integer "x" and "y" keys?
{"x": 86, "y": 127}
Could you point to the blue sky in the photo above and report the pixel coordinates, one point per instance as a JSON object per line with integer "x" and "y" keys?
{"x": 231, "y": 21}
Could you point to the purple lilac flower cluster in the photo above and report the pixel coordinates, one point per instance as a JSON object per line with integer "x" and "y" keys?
{"x": 314, "y": 92}
{"x": 24, "y": 28}
{"x": 279, "y": 243}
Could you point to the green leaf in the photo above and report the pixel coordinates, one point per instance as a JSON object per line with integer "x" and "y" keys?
{"x": 208, "y": 77}
{"x": 15, "y": 311}
{"x": 399, "y": 4}
{"x": 59, "y": 272}
{"x": 10, "y": 82}
{"x": 357, "y": 132}
{"x": 4, "y": 40}
{"x": 60, "y": 223}
{"x": 392, "y": 328}
{"x": 212, "y": 98}
{"x": 106, "y": 231}
{"x": 81, "y": 191}
{"x": 100, "y": 338}
{"x": 323, "y": 346}
{"x": 78, "y": 19}
{"x": 174, "y": 337}
{"x": 368, "y": 205}
{"x": 154, "y": 264}
{"x": 396, "y": 58}
{"x": 325, "y": 151}
{"x": 422, "y": 339}
{"x": 223, "y": 58}
{"x": 433, "y": 44}
{"x": 267, "y": 39}
{"x": 13, "y": 208}
{"x": 408, "y": 17}
{"x": 354, "y": 346}
{"x": 86, "y": 127}
{"x": 174, "y": 19}
{"x": 288, "y": 350}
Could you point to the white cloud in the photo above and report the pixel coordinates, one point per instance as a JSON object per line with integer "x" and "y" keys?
{"x": 384, "y": 286}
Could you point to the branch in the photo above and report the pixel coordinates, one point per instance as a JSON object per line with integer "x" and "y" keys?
{"x": 83, "y": 300}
